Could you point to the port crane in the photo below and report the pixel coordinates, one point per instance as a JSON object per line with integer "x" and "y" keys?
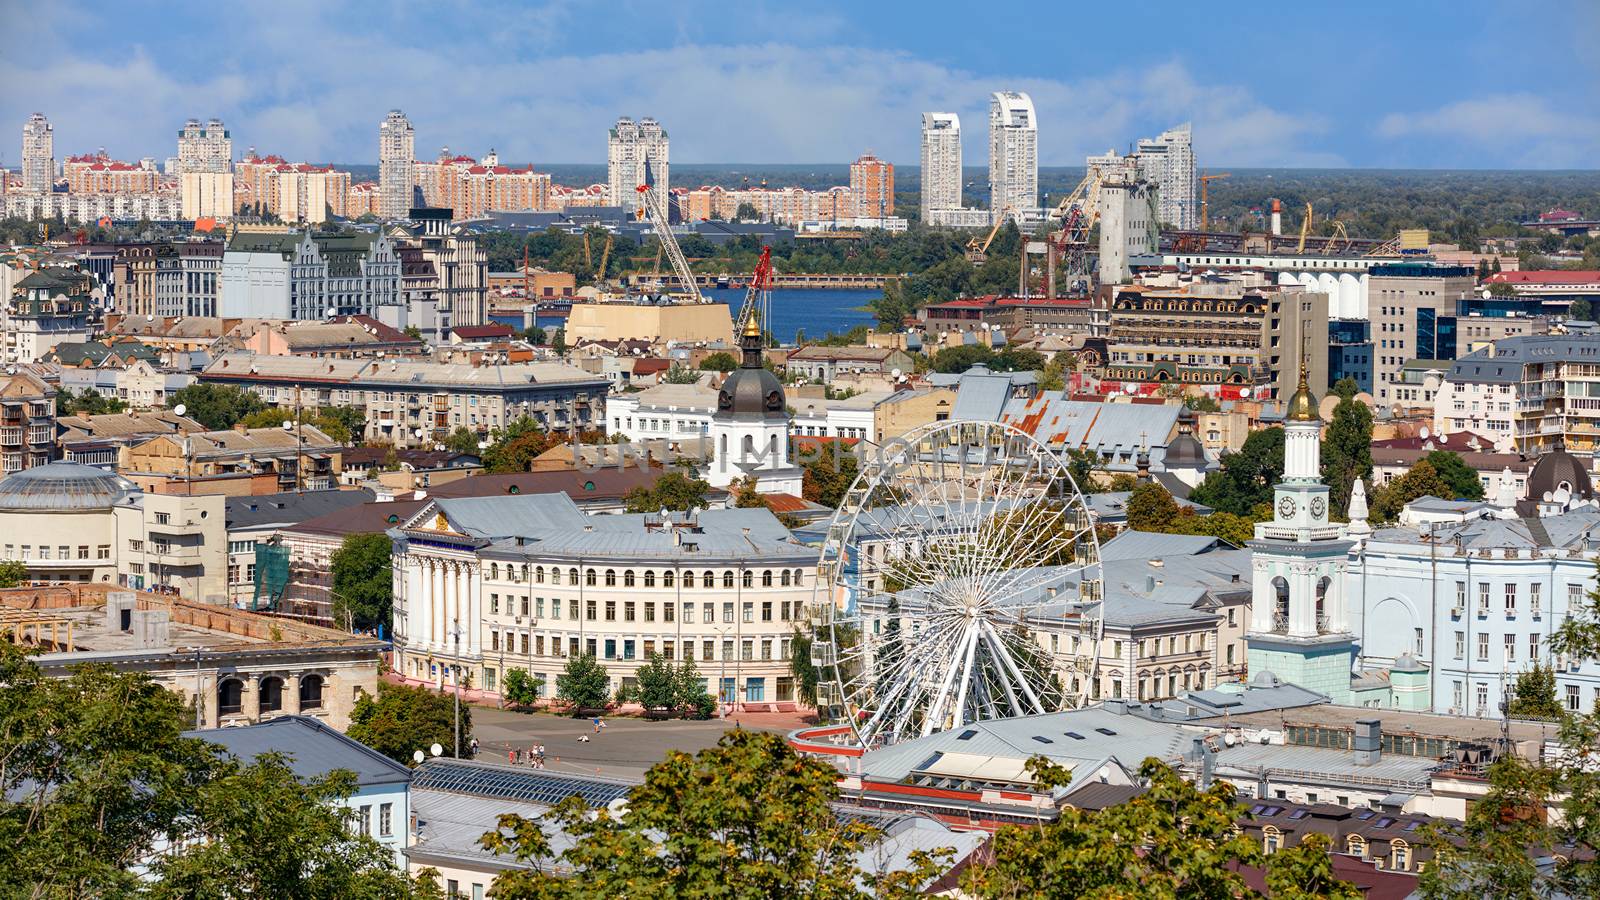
{"x": 1205, "y": 200}
{"x": 605, "y": 257}
{"x": 758, "y": 298}
{"x": 1305, "y": 229}
{"x": 1078, "y": 212}
{"x": 978, "y": 251}
{"x": 655, "y": 207}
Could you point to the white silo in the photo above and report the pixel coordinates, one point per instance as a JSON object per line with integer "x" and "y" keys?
{"x": 1350, "y": 297}
{"x": 1328, "y": 284}
{"x": 1287, "y": 278}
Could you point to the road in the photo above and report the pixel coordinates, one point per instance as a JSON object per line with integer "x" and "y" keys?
{"x": 623, "y": 749}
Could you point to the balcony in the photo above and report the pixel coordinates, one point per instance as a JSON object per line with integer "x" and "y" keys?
{"x": 10, "y": 437}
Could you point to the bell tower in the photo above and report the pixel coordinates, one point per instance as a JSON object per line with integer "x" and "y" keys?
{"x": 750, "y": 429}
{"x": 1298, "y": 621}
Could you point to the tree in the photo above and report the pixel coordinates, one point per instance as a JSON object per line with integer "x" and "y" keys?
{"x": 363, "y": 581}
{"x": 1463, "y": 480}
{"x": 747, "y": 212}
{"x": 217, "y": 407}
{"x": 584, "y": 684}
{"x": 720, "y": 361}
{"x": 746, "y": 818}
{"x": 1082, "y": 466}
{"x": 462, "y": 440}
{"x": 825, "y": 478}
{"x": 1246, "y": 476}
{"x": 1202, "y": 403}
{"x": 1492, "y": 853}
{"x": 413, "y": 332}
{"x": 352, "y": 418}
{"x": 1305, "y": 872}
{"x": 513, "y": 448}
{"x": 1347, "y": 447}
{"x": 559, "y": 342}
{"x": 1421, "y": 481}
{"x": 312, "y": 850}
{"x": 954, "y": 360}
{"x": 1151, "y": 508}
{"x": 1227, "y": 526}
{"x": 658, "y": 684}
{"x": 673, "y": 491}
{"x": 1534, "y": 695}
{"x": 1581, "y": 310}
{"x": 87, "y": 403}
{"x": 693, "y": 699}
{"x": 404, "y": 719}
{"x": 13, "y": 573}
{"x": 678, "y": 373}
{"x": 535, "y": 335}
{"x": 520, "y": 688}
{"x": 1172, "y": 841}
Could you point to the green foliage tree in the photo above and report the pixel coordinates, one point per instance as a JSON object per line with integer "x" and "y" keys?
{"x": 1493, "y": 853}
{"x": 584, "y": 683}
{"x": 746, "y": 818}
{"x": 1151, "y": 507}
{"x": 513, "y": 448}
{"x": 720, "y": 361}
{"x": 673, "y": 491}
{"x": 352, "y": 418}
{"x": 1347, "y": 446}
{"x": 13, "y": 573}
{"x": 658, "y": 684}
{"x": 693, "y": 699}
{"x": 1421, "y": 481}
{"x": 1581, "y": 310}
{"x": 1534, "y": 695}
{"x": 747, "y": 212}
{"x": 805, "y": 674}
{"x": 1083, "y": 465}
{"x": 826, "y": 477}
{"x": 952, "y": 360}
{"x": 1227, "y": 526}
{"x": 1172, "y": 841}
{"x": 87, "y": 403}
{"x": 535, "y": 336}
{"x": 1202, "y": 403}
{"x": 217, "y": 407}
{"x": 312, "y": 850}
{"x": 404, "y": 719}
{"x": 1246, "y": 476}
{"x": 1463, "y": 480}
{"x": 462, "y": 440}
{"x": 520, "y": 688}
{"x": 678, "y": 373}
{"x": 559, "y": 342}
{"x": 363, "y": 581}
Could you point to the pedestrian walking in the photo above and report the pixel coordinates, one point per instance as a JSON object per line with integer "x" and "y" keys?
{"x": 596, "y": 721}
{"x": 511, "y": 757}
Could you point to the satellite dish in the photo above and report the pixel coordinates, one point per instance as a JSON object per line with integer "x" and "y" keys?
{"x": 1244, "y": 393}
{"x": 1442, "y": 438}
{"x": 1486, "y": 294}
{"x": 895, "y": 372}
{"x": 179, "y": 410}
{"x": 1423, "y": 433}
{"x": 436, "y": 750}
{"x": 288, "y": 426}
{"x": 418, "y": 757}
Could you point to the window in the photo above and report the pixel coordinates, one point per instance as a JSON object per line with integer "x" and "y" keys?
{"x": 1271, "y": 840}
{"x": 1574, "y": 596}
{"x": 709, "y": 579}
{"x": 611, "y": 578}
{"x": 1483, "y": 647}
{"x": 364, "y": 819}
{"x": 1533, "y": 647}
{"x": 1483, "y": 597}
{"x": 1419, "y": 641}
{"x": 591, "y": 607}
{"x": 749, "y": 611}
{"x": 1511, "y": 598}
{"x": 1461, "y": 644}
{"x": 627, "y": 611}
{"x": 668, "y": 579}
{"x": 649, "y": 578}
{"x": 748, "y": 578}
{"x": 727, "y": 579}
{"x": 627, "y": 578}
{"x": 1461, "y": 595}
{"x": 1399, "y": 855}
{"x": 230, "y": 697}
{"x": 385, "y": 819}
{"x": 494, "y": 604}
{"x": 1511, "y": 648}
{"x": 1574, "y": 700}
{"x": 727, "y": 613}
{"x": 311, "y": 692}
{"x": 1535, "y": 599}
{"x": 588, "y": 577}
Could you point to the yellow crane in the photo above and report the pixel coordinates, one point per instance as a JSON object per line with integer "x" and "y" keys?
{"x": 605, "y": 257}
{"x": 978, "y": 251}
{"x": 1305, "y": 229}
{"x": 1205, "y": 201}
{"x": 588, "y": 260}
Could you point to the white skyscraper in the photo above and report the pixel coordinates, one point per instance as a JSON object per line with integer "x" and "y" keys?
{"x": 38, "y": 154}
{"x": 1013, "y": 152}
{"x": 1168, "y": 162}
{"x": 207, "y": 148}
{"x": 630, "y": 146}
{"x": 397, "y": 155}
{"x": 941, "y": 163}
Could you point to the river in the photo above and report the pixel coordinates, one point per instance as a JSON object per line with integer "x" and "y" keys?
{"x": 816, "y": 310}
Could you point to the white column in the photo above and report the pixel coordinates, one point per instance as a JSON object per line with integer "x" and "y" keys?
{"x": 1263, "y": 599}
{"x": 436, "y": 635}
{"x": 1302, "y": 602}
{"x": 472, "y": 623}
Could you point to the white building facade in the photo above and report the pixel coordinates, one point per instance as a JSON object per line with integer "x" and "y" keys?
{"x": 941, "y": 164}
{"x": 204, "y": 148}
{"x": 38, "y": 154}
{"x": 397, "y": 155}
{"x": 630, "y": 147}
{"x": 1168, "y": 162}
{"x": 1013, "y": 154}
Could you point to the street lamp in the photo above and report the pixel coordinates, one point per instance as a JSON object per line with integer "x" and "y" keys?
{"x": 455, "y": 632}
{"x": 722, "y": 680}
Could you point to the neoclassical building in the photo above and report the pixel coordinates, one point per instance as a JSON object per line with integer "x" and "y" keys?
{"x": 489, "y": 584}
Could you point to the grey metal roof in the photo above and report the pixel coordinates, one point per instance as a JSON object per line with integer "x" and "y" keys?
{"x": 314, "y": 749}
{"x": 1339, "y": 766}
{"x": 63, "y": 487}
{"x": 982, "y": 395}
{"x": 503, "y": 782}
{"x": 1146, "y": 544}
{"x": 1578, "y": 529}
{"x": 1502, "y": 363}
{"x": 1230, "y": 700}
{"x": 290, "y": 507}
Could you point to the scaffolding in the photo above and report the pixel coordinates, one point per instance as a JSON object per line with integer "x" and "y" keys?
{"x": 272, "y": 576}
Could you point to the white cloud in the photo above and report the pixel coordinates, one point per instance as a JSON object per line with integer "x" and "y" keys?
{"x": 1523, "y": 130}
{"x": 298, "y": 83}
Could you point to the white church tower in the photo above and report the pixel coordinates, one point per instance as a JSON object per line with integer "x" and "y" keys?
{"x": 1299, "y": 626}
{"x": 750, "y": 429}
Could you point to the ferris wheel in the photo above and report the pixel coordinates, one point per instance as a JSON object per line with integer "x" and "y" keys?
{"x": 962, "y": 579}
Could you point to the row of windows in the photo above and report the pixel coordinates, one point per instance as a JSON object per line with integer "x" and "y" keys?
{"x": 63, "y": 551}
{"x": 627, "y": 577}
{"x": 644, "y": 610}
{"x": 1508, "y": 642}
{"x": 749, "y": 649}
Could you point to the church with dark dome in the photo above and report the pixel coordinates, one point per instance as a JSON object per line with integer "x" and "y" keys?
{"x": 750, "y": 428}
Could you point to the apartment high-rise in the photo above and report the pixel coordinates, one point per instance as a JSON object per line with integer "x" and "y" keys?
{"x": 941, "y": 163}
{"x": 1168, "y": 162}
{"x": 630, "y": 147}
{"x": 1013, "y": 153}
{"x": 38, "y": 154}
{"x": 207, "y": 148}
{"x": 397, "y": 154}
{"x": 872, "y": 187}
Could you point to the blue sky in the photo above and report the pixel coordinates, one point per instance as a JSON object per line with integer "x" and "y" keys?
{"x": 1397, "y": 84}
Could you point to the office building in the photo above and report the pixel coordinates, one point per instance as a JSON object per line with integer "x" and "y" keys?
{"x": 397, "y": 154}
{"x": 1413, "y": 310}
{"x": 636, "y": 153}
{"x": 872, "y": 188}
{"x": 48, "y": 307}
{"x": 1013, "y": 154}
{"x": 204, "y": 148}
{"x": 459, "y": 284}
{"x": 1350, "y": 352}
{"x": 1528, "y": 394}
{"x": 941, "y": 163}
{"x": 1168, "y": 163}
{"x": 38, "y": 154}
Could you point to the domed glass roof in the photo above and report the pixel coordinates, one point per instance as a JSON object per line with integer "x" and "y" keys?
{"x": 63, "y": 486}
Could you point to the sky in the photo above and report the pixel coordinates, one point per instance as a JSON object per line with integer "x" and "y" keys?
{"x": 1395, "y": 84}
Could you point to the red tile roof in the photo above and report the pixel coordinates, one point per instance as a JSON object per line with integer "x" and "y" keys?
{"x": 1546, "y": 276}
{"x": 473, "y": 332}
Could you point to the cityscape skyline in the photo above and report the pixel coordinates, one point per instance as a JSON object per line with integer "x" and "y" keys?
{"x": 850, "y": 80}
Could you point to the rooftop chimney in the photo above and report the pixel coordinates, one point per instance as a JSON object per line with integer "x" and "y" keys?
{"x": 1366, "y": 742}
